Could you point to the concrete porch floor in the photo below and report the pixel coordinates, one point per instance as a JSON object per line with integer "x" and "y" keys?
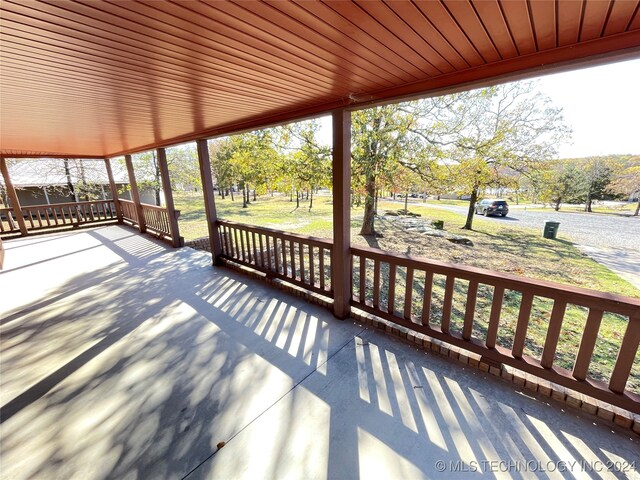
{"x": 123, "y": 358}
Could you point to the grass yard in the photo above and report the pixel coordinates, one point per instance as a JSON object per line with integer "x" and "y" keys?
{"x": 496, "y": 246}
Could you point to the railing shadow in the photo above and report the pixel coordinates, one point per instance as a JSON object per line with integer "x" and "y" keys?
{"x": 140, "y": 368}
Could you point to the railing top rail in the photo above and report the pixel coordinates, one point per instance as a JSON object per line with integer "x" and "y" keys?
{"x": 66, "y": 204}
{"x": 148, "y": 206}
{"x": 124, "y": 200}
{"x": 6, "y": 209}
{"x": 574, "y": 295}
{"x": 323, "y": 242}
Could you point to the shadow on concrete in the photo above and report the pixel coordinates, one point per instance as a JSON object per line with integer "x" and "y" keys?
{"x": 140, "y": 368}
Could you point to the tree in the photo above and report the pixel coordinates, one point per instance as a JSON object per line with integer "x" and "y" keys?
{"x": 627, "y": 182}
{"x": 488, "y": 132}
{"x": 380, "y": 138}
{"x": 309, "y": 166}
{"x": 596, "y": 175}
{"x": 561, "y": 183}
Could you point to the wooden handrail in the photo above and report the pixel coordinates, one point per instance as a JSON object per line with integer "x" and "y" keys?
{"x": 316, "y": 241}
{"x": 541, "y": 288}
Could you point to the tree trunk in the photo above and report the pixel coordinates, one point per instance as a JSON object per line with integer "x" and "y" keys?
{"x": 637, "y": 208}
{"x": 375, "y": 202}
{"x": 556, "y": 207}
{"x": 67, "y": 172}
{"x": 311, "y": 201}
{"x": 368, "y": 222}
{"x": 472, "y": 203}
{"x": 406, "y": 203}
{"x": 587, "y": 205}
{"x": 297, "y": 199}
{"x": 254, "y": 194}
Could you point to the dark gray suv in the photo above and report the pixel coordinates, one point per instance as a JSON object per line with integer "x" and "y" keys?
{"x": 492, "y": 207}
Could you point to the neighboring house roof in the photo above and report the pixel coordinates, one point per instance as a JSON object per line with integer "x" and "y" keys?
{"x": 36, "y": 173}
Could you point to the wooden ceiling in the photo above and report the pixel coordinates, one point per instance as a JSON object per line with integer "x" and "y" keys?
{"x": 100, "y": 78}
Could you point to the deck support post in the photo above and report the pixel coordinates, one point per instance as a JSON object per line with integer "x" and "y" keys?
{"x": 176, "y": 240}
{"x": 209, "y": 200}
{"x": 341, "y": 255}
{"x": 114, "y": 190}
{"x": 13, "y": 196}
{"x": 135, "y": 195}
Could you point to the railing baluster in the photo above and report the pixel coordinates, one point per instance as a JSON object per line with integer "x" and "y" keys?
{"x": 587, "y": 344}
{"x": 261, "y": 250}
{"x": 312, "y": 266}
{"x": 301, "y": 257}
{"x": 30, "y": 218}
{"x": 292, "y": 251}
{"x": 236, "y": 243}
{"x": 447, "y": 303}
{"x": 391, "y": 298}
{"x": 426, "y": 300}
{"x": 408, "y": 294}
{"x": 469, "y": 314}
{"x": 267, "y": 242}
{"x": 376, "y": 284}
{"x": 626, "y": 356}
{"x": 39, "y": 217}
{"x": 494, "y": 318}
{"x": 363, "y": 279}
{"x": 284, "y": 256}
{"x": 523, "y": 324}
{"x": 46, "y": 216}
{"x": 241, "y": 233}
{"x": 321, "y": 267}
{"x": 276, "y": 255}
{"x": 248, "y": 238}
{"x": 553, "y": 333}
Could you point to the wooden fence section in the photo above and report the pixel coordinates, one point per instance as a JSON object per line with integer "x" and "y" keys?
{"x": 129, "y": 211}
{"x": 7, "y": 222}
{"x": 376, "y": 288}
{"x": 156, "y": 220}
{"x": 298, "y": 259}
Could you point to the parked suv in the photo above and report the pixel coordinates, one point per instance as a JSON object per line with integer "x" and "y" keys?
{"x": 492, "y": 207}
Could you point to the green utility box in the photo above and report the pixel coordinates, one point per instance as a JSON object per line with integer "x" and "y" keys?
{"x": 551, "y": 229}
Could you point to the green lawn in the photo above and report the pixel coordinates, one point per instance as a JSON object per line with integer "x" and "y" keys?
{"x": 496, "y": 246}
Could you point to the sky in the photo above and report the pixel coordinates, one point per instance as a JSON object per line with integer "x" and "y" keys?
{"x": 600, "y": 104}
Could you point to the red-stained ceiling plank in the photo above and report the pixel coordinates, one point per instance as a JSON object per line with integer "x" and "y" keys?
{"x": 414, "y": 18}
{"x": 448, "y": 28}
{"x": 570, "y": 14}
{"x": 517, "y": 14}
{"x": 492, "y": 18}
{"x": 365, "y": 39}
{"x": 465, "y": 16}
{"x": 621, "y": 14}
{"x": 543, "y": 13}
{"x": 595, "y": 16}
{"x": 399, "y": 28}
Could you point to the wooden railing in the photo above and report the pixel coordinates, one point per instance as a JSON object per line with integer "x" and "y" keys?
{"x": 402, "y": 289}
{"x": 156, "y": 219}
{"x": 7, "y": 223}
{"x": 129, "y": 211}
{"x": 40, "y": 217}
{"x": 59, "y": 214}
{"x": 298, "y": 259}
